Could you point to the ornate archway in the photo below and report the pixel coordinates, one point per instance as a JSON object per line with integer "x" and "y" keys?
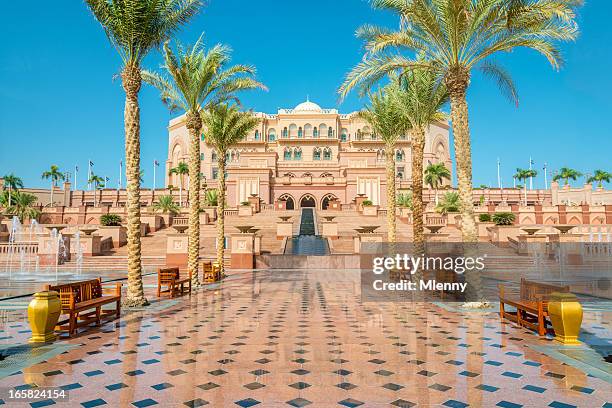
{"x": 308, "y": 201}
{"x": 325, "y": 201}
{"x": 289, "y": 201}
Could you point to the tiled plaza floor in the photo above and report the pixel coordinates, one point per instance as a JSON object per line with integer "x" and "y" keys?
{"x": 305, "y": 339}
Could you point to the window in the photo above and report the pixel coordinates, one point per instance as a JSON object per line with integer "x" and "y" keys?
{"x": 327, "y": 153}
{"x": 400, "y": 173}
{"x": 215, "y": 173}
{"x": 257, "y": 135}
{"x": 272, "y": 135}
{"x": 297, "y": 154}
{"x": 330, "y": 132}
{"x": 287, "y": 154}
{"x": 399, "y": 155}
{"x": 315, "y": 132}
{"x": 285, "y": 133}
{"x": 300, "y": 132}
{"x": 344, "y": 136}
{"x": 316, "y": 154}
{"x": 202, "y": 137}
{"x": 201, "y": 156}
{"x": 214, "y": 156}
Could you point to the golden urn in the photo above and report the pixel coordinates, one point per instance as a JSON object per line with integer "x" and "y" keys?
{"x": 566, "y": 317}
{"x": 43, "y": 313}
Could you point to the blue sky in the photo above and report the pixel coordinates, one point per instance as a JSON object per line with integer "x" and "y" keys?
{"x": 59, "y": 104}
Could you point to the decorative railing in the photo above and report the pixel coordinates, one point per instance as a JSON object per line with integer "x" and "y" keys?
{"x": 180, "y": 221}
{"x": 435, "y": 220}
{"x": 230, "y": 211}
{"x": 19, "y": 247}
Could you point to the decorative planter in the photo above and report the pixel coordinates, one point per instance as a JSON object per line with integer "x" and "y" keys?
{"x": 566, "y": 317}
{"x": 370, "y": 210}
{"x": 245, "y": 211}
{"x": 43, "y": 313}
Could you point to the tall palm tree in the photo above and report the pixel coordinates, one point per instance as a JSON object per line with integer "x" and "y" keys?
{"x": 524, "y": 175}
{"x": 435, "y": 174}
{"x": 567, "y": 174}
{"x": 225, "y": 126}
{"x": 197, "y": 79}
{"x": 600, "y": 177}
{"x": 134, "y": 28}
{"x": 55, "y": 175}
{"x": 181, "y": 170}
{"x": 98, "y": 183}
{"x": 455, "y": 38}
{"x": 421, "y": 104}
{"x": 13, "y": 183}
{"x": 385, "y": 117}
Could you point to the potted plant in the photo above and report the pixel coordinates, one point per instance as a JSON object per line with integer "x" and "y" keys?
{"x": 111, "y": 227}
{"x": 404, "y": 202}
{"x": 369, "y": 209}
{"x": 245, "y": 209}
{"x": 504, "y": 227}
{"x": 167, "y": 207}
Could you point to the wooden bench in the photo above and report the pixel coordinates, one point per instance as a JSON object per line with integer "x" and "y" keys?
{"x": 211, "y": 271}
{"x": 172, "y": 280}
{"x": 82, "y": 302}
{"x": 531, "y": 304}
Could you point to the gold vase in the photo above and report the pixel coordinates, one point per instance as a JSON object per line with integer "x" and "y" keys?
{"x": 43, "y": 313}
{"x": 566, "y": 317}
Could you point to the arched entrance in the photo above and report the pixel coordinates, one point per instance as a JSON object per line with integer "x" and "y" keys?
{"x": 325, "y": 201}
{"x": 308, "y": 201}
{"x": 289, "y": 202}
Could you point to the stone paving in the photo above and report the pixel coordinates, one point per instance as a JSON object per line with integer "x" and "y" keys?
{"x": 304, "y": 338}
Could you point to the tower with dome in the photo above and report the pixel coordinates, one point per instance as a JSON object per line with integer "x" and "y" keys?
{"x": 306, "y": 157}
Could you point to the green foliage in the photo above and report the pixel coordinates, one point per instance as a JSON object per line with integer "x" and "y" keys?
{"x": 110, "y": 220}
{"x": 384, "y": 114}
{"x": 135, "y": 27}
{"x": 166, "y": 205}
{"x": 245, "y": 203}
{"x": 54, "y": 174}
{"x": 567, "y": 174}
{"x": 23, "y": 206}
{"x": 198, "y": 78}
{"x": 367, "y": 203}
{"x": 11, "y": 181}
{"x": 435, "y": 174}
{"x": 404, "y": 200}
{"x": 449, "y": 203}
{"x": 456, "y": 37}
{"x": 211, "y": 197}
{"x": 484, "y": 218}
{"x": 503, "y": 218}
{"x": 525, "y": 174}
{"x": 600, "y": 177}
{"x": 226, "y": 126}
{"x": 97, "y": 181}
{"x": 181, "y": 169}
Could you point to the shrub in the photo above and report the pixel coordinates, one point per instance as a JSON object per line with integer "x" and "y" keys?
{"x": 367, "y": 203}
{"x": 166, "y": 204}
{"x": 449, "y": 203}
{"x": 484, "y": 218}
{"x": 503, "y": 218}
{"x": 245, "y": 203}
{"x": 110, "y": 220}
{"x": 211, "y": 197}
{"x": 405, "y": 200}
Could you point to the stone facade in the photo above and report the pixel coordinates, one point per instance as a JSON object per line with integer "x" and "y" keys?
{"x": 306, "y": 156}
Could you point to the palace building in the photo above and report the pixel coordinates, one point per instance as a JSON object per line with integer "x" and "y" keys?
{"x": 306, "y": 156}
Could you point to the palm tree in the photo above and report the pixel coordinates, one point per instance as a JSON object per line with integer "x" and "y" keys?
{"x": 197, "y": 79}
{"x": 166, "y": 204}
{"x": 225, "y": 126}
{"x": 421, "y": 104}
{"x": 13, "y": 183}
{"x": 524, "y": 175}
{"x": 600, "y": 177}
{"x": 23, "y": 206}
{"x": 181, "y": 170}
{"x": 134, "y": 28}
{"x": 435, "y": 174}
{"x": 385, "y": 117}
{"x": 55, "y": 175}
{"x": 450, "y": 203}
{"x": 565, "y": 173}
{"x": 98, "y": 183}
{"x": 454, "y": 38}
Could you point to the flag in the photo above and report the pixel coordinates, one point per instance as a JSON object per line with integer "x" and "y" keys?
{"x": 155, "y": 163}
{"x": 106, "y": 179}
{"x": 91, "y": 163}
{"x": 76, "y": 168}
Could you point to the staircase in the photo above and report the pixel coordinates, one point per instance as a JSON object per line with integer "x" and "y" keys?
{"x": 307, "y": 243}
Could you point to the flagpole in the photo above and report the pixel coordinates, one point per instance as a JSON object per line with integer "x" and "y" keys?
{"x": 89, "y": 174}
{"x": 154, "y": 165}
{"x": 499, "y": 185}
{"x": 545, "y": 178}
{"x": 530, "y": 178}
{"x": 120, "y": 171}
{"x": 76, "y": 171}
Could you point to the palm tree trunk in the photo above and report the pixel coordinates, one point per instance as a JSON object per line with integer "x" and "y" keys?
{"x": 457, "y": 83}
{"x": 418, "y": 149}
{"x": 51, "y": 194}
{"x": 194, "y": 125}
{"x": 221, "y": 215}
{"x": 131, "y": 81}
{"x": 391, "y": 204}
{"x": 463, "y": 154}
{"x": 525, "y": 189}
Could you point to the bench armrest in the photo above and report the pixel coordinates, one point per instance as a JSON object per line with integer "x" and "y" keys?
{"x": 115, "y": 291}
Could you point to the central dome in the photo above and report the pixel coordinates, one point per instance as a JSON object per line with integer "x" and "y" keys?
{"x": 308, "y": 107}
